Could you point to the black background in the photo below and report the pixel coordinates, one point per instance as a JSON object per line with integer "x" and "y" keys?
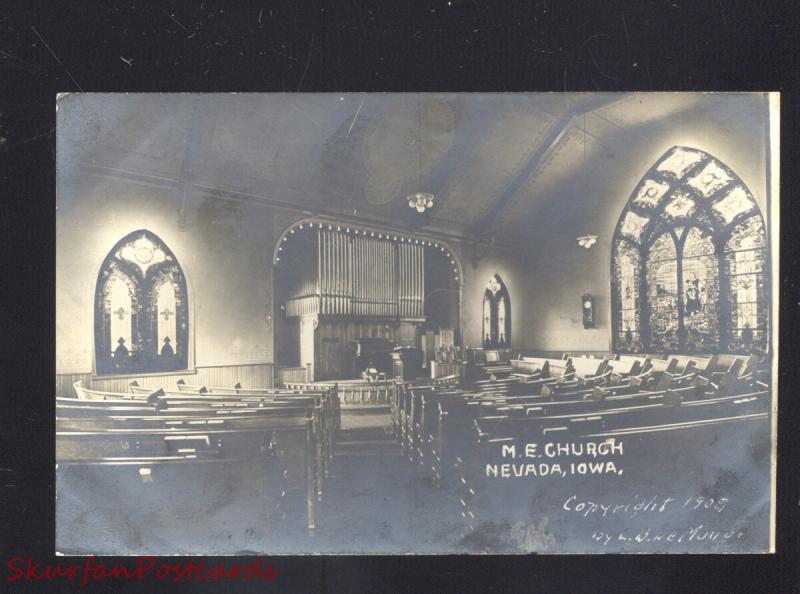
{"x": 461, "y": 45}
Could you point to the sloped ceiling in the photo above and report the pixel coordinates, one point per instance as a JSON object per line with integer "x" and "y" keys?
{"x": 495, "y": 162}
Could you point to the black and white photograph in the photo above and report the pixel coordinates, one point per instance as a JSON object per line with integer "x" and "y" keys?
{"x": 416, "y": 323}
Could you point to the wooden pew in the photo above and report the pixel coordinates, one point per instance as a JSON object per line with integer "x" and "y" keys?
{"x": 630, "y": 365}
{"x": 687, "y": 363}
{"x": 452, "y": 458}
{"x": 490, "y": 363}
{"x": 82, "y": 392}
{"x": 236, "y": 389}
{"x": 466, "y": 405}
{"x": 529, "y": 365}
{"x": 661, "y": 365}
{"x": 455, "y": 411}
{"x": 730, "y": 379}
{"x": 328, "y": 397}
{"x": 137, "y": 442}
{"x": 198, "y": 412}
{"x": 671, "y": 409}
{"x": 583, "y": 372}
{"x": 321, "y": 407}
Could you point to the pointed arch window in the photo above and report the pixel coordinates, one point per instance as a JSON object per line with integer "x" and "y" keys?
{"x": 689, "y": 261}
{"x": 496, "y": 314}
{"x": 141, "y": 308}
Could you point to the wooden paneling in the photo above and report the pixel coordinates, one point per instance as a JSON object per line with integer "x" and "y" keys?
{"x": 64, "y": 382}
{"x": 291, "y": 375}
{"x": 250, "y": 376}
{"x": 334, "y": 343}
{"x": 448, "y": 368}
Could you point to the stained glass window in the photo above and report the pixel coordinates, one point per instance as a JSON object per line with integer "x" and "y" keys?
{"x": 626, "y": 275}
{"x": 501, "y": 321}
{"x": 487, "y": 320}
{"x": 662, "y": 283}
{"x": 167, "y": 326}
{"x": 633, "y": 225}
{"x": 734, "y": 204}
{"x": 119, "y": 289}
{"x": 681, "y": 206}
{"x": 141, "y": 313}
{"x": 496, "y": 314}
{"x": 690, "y": 253}
{"x": 745, "y": 261}
{"x": 700, "y": 272}
{"x": 678, "y": 161}
{"x": 651, "y": 193}
{"x": 710, "y": 179}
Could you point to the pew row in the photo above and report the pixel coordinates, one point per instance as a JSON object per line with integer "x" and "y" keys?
{"x": 158, "y": 429}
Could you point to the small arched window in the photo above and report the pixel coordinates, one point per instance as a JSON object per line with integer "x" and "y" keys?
{"x": 141, "y": 309}
{"x": 689, "y": 261}
{"x": 496, "y": 314}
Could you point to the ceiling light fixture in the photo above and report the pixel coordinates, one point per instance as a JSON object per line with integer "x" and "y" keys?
{"x": 587, "y": 241}
{"x": 420, "y": 200}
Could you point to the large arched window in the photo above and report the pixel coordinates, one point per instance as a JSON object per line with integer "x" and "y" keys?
{"x": 141, "y": 313}
{"x": 689, "y": 261}
{"x": 496, "y": 314}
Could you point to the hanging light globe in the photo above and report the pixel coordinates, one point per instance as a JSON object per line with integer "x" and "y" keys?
{"x": 420, "y": 201}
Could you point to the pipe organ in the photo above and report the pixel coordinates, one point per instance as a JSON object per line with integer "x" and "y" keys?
{"x": 360, "y": 275}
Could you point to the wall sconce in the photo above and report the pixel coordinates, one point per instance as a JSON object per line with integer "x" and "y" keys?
{"x": 587, "y": 241}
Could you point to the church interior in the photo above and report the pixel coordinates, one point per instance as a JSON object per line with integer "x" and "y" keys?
{"x": 315, "y": 323}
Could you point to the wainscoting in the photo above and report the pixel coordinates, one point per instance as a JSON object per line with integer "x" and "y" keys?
{"x": 258, "y": 375}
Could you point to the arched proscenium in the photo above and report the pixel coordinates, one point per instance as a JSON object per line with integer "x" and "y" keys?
{"x": 306, "y": 224}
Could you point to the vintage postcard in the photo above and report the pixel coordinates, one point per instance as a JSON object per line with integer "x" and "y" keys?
{"x": 416, "y": 323}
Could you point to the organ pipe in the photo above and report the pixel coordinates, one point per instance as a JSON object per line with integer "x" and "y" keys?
{"x": 363, "y": 276}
